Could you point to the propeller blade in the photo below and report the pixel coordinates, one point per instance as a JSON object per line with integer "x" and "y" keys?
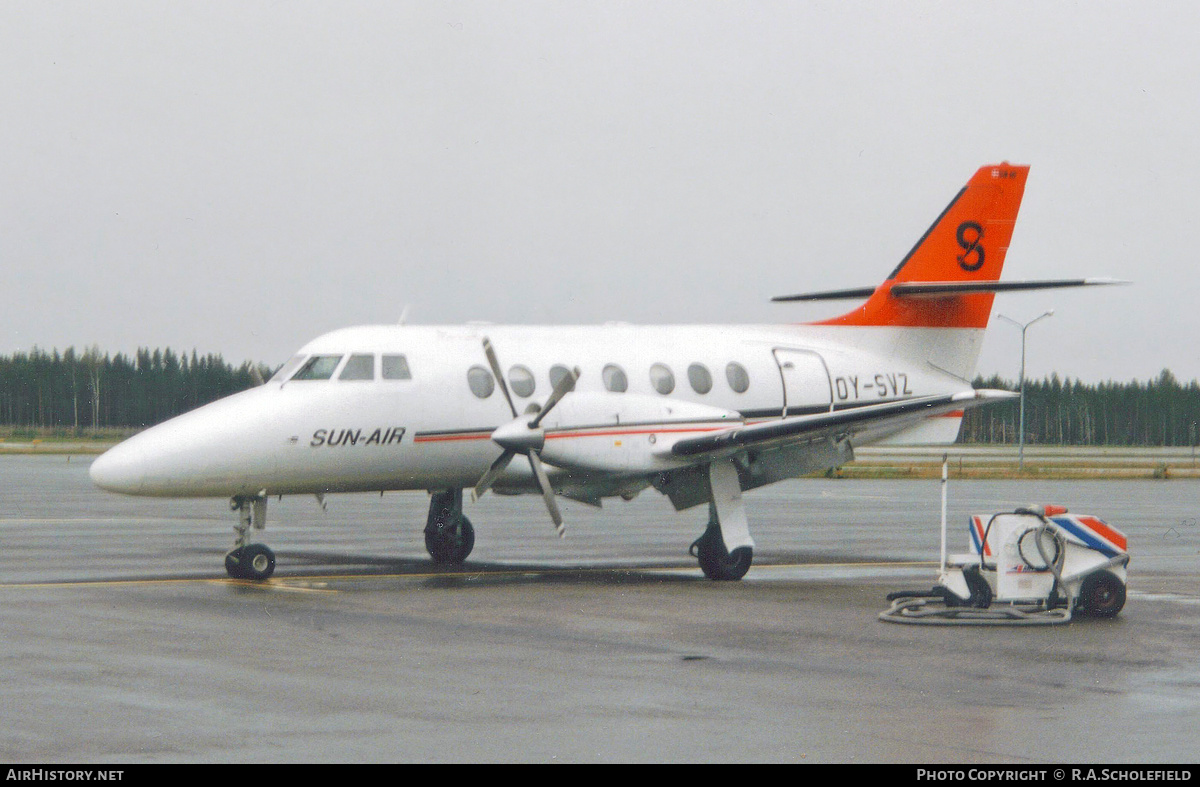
{"x": 495, "y": 364}
{"x": 564, "y": 387}
{"x": 543, "y": 480}
{"x": 492, "y": 474}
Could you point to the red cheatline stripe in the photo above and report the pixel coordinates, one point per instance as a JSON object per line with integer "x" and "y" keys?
{"x": 1116, "y": 537}
{"x": 951, "y": 414}
{"x": 450, "y": 437}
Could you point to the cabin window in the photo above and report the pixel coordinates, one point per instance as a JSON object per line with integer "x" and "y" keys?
{"x": 319, "y": 367}
{"x": 615, "y": 379}
{"x": 395, "y": 367}
{"x": 700, "y": 378}
{"x": 359, "y": 367}
{"x": 557, "y": 372}
{"x": 282, "y": 373}
{"x": 520, "y": 379}
{"x": 481, "y": 381}
{"x": 739, "y": 379}
{"x": 662, "y": 378}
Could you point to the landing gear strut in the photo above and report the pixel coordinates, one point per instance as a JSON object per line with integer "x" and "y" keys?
{"x": 249, "y": 560}
{"x": 449, "y": 536}
{"x": 726, "y": 550}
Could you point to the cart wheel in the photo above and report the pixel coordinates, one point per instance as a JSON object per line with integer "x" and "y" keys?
{"x": 1102, "y": 595}
{"x": 981, "y": 591}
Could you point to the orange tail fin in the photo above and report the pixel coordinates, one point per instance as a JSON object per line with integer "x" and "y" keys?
{"x": 967, "y": 243}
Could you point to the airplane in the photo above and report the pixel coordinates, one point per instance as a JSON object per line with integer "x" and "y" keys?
{"x": 699, "y": 413}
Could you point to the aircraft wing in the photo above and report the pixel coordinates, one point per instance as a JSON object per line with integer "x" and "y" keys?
{"x": 837, "y": 424}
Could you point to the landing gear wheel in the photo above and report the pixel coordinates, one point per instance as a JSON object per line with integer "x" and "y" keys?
{"x": 716, "y": 562}
{"x": 233, "y": 563}
{"x": 448, "y": 544}
{"x": 253, "y": 561}
{"x": 1102, "y": 595}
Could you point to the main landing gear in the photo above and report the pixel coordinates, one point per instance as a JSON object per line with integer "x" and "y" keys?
{"x": 726, "y": 550}
{"x": 449, "y": 536}
{"x": 716, "y": 561}
{"x": 249, "y": 560}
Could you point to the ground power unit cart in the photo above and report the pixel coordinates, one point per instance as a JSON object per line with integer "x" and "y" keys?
{"x": 1032, "y": 566}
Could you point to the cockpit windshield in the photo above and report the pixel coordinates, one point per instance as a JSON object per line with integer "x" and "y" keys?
{"x": 318, "y": 367}
{"x": 282, "y": 373}
{"x": 358, "y": 367}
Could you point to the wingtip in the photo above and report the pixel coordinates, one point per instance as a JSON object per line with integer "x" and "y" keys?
{"x": 985, "y": 394}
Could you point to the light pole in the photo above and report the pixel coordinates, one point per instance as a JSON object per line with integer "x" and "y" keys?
{"x": 1021, "y": 435}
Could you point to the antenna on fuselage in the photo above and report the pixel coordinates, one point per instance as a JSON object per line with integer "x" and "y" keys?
{"x": 404, "y": 314}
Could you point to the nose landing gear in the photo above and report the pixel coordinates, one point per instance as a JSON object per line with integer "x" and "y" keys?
{"x": 249, "y": 560}
{"x": 253, "y": 561}
{"x": 449, "y": 536}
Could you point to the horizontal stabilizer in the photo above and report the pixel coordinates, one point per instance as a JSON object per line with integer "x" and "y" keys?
{"x": 935, "y": 289}
{"x": 829, "y": 295}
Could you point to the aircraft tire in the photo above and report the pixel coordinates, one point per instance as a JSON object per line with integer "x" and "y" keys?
{"x": 722, "y": 566}
{"x": 1102, "y": 595}
{"x": 233, "y": 563}
{"x": 257, "y": 562}
{"x": 448, "y": 547}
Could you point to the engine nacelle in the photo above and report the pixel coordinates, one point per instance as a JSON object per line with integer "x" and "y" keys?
{"x": 619, "y": 432}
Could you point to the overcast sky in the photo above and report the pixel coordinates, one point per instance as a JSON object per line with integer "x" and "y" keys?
{"x": 240, "y": 177}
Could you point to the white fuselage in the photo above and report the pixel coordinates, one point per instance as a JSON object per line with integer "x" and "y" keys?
{"x": 431, "y": 431}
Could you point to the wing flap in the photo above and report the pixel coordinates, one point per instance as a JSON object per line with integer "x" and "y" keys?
{"x": 804, "y": 428}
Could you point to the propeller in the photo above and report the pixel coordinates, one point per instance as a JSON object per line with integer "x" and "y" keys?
{"x": 522, "y": 436}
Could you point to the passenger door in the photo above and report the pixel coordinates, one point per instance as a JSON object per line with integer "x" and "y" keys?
{"x": 806, "y": 384}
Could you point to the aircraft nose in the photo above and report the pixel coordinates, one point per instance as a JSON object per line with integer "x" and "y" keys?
{"x": 119, "y": 469}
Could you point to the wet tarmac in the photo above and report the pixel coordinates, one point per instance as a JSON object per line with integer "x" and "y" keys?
{"x": 122, "y": 640}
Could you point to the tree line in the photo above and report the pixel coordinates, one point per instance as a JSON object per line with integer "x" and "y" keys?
{"x": 90, "y": 390}
{"x": 1158, "y": 412}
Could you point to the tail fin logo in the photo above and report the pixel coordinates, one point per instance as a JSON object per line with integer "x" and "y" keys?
{"x": 966, "y": 244}
{"x": 971, "y": 259}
